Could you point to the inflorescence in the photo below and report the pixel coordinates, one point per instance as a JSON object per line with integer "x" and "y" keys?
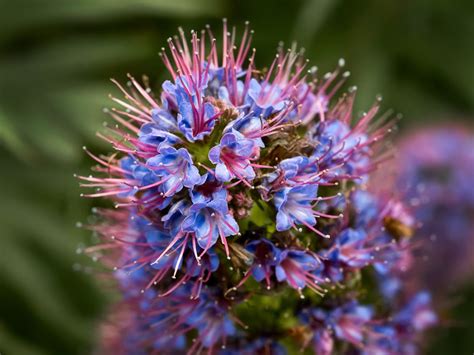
{"x": 435, "y": 170}
{"x": 242, "y": 223}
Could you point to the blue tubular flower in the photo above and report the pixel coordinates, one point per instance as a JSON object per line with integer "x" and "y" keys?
{"x": 299, "y": 170}
{"x": 399, "y": 334}
{"x": 293, "y": 167}
{"x": 264, "y": 99}
{"x": 349, "y": 252}
{"x": 140, "y": 175}
{"x": 209, "y": 218}
{"x": 417, "y": 314}
{"x": 294, "y": 206}
{"x": 296, "y": 267}
{"x": 266, "y": 256}
{"x": 248, "y": 125}
{"x": 349, "y": 322}
{"x": 341, "y": 150}
{"x": 175, "y": 166}
{"x": 195, "y": 117}
{"x": 350, "y": 248}
{"x": 154, "y": 135}
{"x": 233, "y": 157}
{"x": 175, "y": 216}
{"x": 212, "y": 321}
{"x": 188, "y": 118}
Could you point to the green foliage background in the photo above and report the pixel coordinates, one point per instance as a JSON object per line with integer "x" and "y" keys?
{"x": 55, "y": 60}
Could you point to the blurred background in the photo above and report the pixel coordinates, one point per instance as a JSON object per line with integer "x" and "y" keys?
{"x": 56, "y": 58}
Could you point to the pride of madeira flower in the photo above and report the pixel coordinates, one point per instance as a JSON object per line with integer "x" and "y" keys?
{"x": 238, "y": 221}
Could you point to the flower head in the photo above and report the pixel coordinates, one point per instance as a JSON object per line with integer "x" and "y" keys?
{"x": 236, "y": 189}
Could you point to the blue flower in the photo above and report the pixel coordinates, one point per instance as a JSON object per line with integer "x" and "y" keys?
{"x": 232, "y": 157}
{"x": 294, "y": 206}
{"x": 208, "y": 262}
{"x": 176, "y": 168}
{"x": 264, "y": 99}
{"x": 300, "y": 170}
{"x": 143, "y": 178}
{"x": 250, "y": 126}
{"x": 348, "y": 252}
{"x": 350, "y": 248}
{"x": 340, "y": 149}
{"x": 175, "y": 216}
{"x": 232, "y": 96}
{"x": 212, "y": 321}
{"x": 417, "y": 314}
{"x": 195, "y": 117}
{"x": 209, "y": 218}
{"x": 138, "y": 172}
{"x": 153, "y": 134}
{"x": 349, "y": 322}
{"x": 295, "y": 267}
{"x": 266, "y": 256}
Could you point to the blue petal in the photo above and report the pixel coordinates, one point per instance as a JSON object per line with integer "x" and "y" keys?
{"x": 283, "y": 221}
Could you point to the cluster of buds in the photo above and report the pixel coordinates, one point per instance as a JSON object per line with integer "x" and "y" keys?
{"x": 241, "y": 221}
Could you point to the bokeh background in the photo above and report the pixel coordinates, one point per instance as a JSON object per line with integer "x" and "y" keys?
{"x": 56, "y": 58}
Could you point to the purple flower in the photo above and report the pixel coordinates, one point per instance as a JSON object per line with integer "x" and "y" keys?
{"x": 195, "y": 119}
{"x": 344, "y": 152}
{"x": 176, "y": 168}
{"x": 250, "y": 126}
{"x": 348, "y": 252}
{"x": 265, "y": 98}
{"x": 212, "y": 321}
{"x": 294, "y": 206}
{"x": 233, "y": 157}
{"x": 209, "y": 219}
{"x": 296, "y": 171}
{"x": 295, "y": 267}
{"x": 417, "y": 314}
{"x": 399, "y": 334}
{"x": 266, "y": 256}
{"x": 349, "y": 322}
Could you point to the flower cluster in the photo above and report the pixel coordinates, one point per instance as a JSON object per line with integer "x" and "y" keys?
{"x": 435, "y": 170}
{"x": 236, "y": 190}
